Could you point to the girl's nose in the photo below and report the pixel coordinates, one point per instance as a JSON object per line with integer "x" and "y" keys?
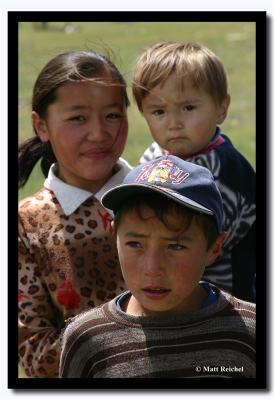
{"x": 96, "y": 130}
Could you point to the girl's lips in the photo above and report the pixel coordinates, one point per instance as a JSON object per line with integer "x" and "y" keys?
{"x": 96, "y": 154}
{"x": 155, "y": 292}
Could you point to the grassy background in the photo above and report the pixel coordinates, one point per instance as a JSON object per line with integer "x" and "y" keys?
{"x": 233, "y": 42}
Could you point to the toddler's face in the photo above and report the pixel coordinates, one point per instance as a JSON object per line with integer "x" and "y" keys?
{"x": 162, "y": 267}
{"x": 182, "y": 122}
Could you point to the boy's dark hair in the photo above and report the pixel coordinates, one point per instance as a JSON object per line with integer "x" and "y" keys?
{"x": 72, "y": 66}
{"x": 163, "y": 207}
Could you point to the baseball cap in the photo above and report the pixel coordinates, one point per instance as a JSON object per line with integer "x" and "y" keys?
{"x": 186, "y": 183}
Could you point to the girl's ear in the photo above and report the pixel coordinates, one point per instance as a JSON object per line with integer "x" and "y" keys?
{"x": 223, "y": 109}
{"x": 40, "y": 126}
{"x": 216, "y": 248}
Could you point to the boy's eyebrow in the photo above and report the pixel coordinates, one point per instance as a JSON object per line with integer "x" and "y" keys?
{"x": 135, "y": 235}
{"x": 177, "y": 238}
{"x": 174, "y": 238}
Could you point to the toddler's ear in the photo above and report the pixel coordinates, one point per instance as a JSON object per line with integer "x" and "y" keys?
{"x": 216, "y": 248}
{"x": 223, "y": 109}
{"x": 40, "y": 126}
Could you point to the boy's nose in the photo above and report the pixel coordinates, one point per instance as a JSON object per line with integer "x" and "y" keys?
{"x": 153, "y": 263}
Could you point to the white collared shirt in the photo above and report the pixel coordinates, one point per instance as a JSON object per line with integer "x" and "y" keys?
{"x": 71, "y": 197}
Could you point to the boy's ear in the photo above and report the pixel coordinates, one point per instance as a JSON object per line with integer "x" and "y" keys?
{"x": 40, "y": 126}
{"x": 223, "y": 109}
{"x": 216, "y": 248}
{"x": 113, "y": 227}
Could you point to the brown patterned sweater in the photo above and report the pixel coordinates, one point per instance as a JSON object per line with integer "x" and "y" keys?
{"x": 67, "y": 264}
{"x": 215, "y": 341}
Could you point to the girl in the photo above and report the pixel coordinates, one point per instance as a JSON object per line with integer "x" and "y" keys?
{"x": 67, "y": 255}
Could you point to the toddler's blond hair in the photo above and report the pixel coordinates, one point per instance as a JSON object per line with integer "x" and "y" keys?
{"x": 191, "y": 61}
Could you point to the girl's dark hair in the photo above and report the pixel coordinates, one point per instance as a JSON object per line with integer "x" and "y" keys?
{"x": 163, "y": 207}
{"x": 71, "y": 66}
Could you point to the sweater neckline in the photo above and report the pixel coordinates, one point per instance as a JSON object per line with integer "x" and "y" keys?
{"x": 173, "y": 321}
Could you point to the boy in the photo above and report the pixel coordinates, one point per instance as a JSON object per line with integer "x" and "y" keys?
{"x": 168, "y": 223}
{"x": 181, "y": 90}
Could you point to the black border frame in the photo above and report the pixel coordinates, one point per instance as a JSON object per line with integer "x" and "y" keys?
{"x": 260, "y": 18}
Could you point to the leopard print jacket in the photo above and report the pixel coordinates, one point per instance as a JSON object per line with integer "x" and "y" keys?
{"x": 67, "y": 264}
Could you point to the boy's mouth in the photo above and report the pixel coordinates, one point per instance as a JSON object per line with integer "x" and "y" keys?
{"x": 156, "y": 292}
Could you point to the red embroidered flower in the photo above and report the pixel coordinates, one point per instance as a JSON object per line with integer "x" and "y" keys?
{"x": 21, "y": 296}
{"x": 106, "y": 220}
{"x": 67, "y": 296}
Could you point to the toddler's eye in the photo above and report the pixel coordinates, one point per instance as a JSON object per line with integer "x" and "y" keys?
{"x": 158, "y": 112}
{"x": 189, "y": 108}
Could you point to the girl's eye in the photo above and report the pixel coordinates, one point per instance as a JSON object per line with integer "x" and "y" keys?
{"x": 134, "y": 245}
{"x": 176, "y": 247}
{"x": 189, "y": 108}
{"x": 114, "y": 116}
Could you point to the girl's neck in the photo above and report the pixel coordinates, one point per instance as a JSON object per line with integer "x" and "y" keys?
{"x": 92, "y": 186}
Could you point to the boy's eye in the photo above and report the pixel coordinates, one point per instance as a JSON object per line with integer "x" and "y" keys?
{"x": 77, "y": 118}
{"x": 176, "y": 247}
{"x": 134, "y": 244}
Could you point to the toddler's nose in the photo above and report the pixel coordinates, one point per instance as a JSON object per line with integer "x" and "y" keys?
{"x": 175, "y": 121}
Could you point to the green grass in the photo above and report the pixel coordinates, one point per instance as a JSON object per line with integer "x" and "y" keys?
{"x": 233, "y": 42}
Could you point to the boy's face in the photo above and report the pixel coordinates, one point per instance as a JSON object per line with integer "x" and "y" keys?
{"x": 182, "y": 122}
{"x": 162, "y": 267}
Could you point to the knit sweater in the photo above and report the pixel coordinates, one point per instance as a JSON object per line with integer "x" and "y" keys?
{"x": 234, "y": 270}
{"x": 68, "y": 262}
{"x": 215, "y": 341}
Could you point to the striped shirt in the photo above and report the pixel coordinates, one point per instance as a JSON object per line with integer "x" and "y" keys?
{"x": 234, "y": 270}
{"x": 215, "y": 341}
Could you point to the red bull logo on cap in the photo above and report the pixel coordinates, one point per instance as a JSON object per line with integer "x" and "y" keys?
{"x": 162, "y": 171}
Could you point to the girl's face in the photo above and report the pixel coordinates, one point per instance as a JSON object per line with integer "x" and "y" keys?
{"x": 87, "y": 128}
{"x": 182, "y": 122}
{"x": 161, "y": 267}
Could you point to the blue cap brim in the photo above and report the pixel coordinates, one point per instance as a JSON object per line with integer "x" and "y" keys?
{"x": 114, "y": 198}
